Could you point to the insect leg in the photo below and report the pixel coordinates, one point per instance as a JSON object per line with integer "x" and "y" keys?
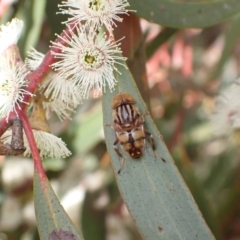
{"x": 116, "y": 148}
{"x": 119, "y": 154}
{"x": 122, "y": 164}
{"x": 153, "y": 145}
{"x": 151, "y": 139}
{"x": 146, "y": 113}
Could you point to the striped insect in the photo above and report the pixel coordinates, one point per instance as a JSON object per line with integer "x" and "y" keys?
{"x": 128, "y": 124}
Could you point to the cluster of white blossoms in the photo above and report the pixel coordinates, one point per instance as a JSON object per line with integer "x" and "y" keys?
{"x": 95, "y": 13}
{"x": 61, "y": 96}
{"x": 12, "y": 83}
{"x": 89, "y": 55}
{"x": 12, "y": 91}
{"x": 48, "y": 144}
{"x": 86, "y": 61}
{"x": 12, "y": 74}
{"x": 10, "y": 34}
{"x": 226, "y": 114}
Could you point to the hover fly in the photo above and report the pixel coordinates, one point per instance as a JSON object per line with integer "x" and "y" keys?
{"x": 129, "y": 128}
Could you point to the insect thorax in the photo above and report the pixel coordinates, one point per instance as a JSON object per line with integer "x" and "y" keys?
{"x": 126, "y": 114}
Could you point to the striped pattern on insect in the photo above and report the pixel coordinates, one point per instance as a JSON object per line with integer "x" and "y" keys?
{"x": 128, "y": 124}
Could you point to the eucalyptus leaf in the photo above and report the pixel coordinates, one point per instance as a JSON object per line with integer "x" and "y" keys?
{"x": 185, "y": 14}
{"x": 154, "y": 192}
{"x": 53, "y": 222}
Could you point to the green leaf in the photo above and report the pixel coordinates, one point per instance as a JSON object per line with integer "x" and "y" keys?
{"x": 53, "y": 222}
{"x": 32, "y": 14}
{"x": 184, "y": 14}
{"x": 154, "y": 192}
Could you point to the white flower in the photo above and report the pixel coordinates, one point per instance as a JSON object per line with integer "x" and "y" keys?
{"x": 12, "y": 83}
{"x": 61, "y": 108}
{"x": 226, "y": 115}
{"x": 48, "y": 144}
{"x": 88, "y": 60}
{"x": 34, "y": 59}
{"x": 54, "y": 86}
{"x": 62, "y": 95}
{"x": 95, "y": 12}
{"x": 10, "y": 34}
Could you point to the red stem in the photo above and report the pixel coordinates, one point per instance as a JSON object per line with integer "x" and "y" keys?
{"x": 31, "y": 141}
